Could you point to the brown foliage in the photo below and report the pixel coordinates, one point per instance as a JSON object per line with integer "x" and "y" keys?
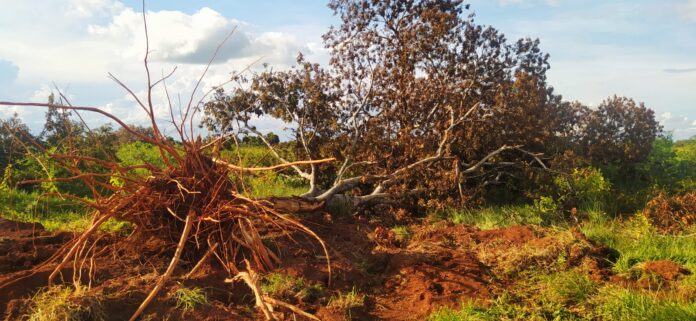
{"x": 618, "y": 131}
{"x": 416, "y": 98}
{"x": 672, "y": 214}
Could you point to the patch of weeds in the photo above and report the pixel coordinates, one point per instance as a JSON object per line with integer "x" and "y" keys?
{"x": 64, "y": 303}
{"x": 569, "y": 287}
{"x": 618, "y": 304}
{"x": 281, "y": 285}
{"x": 347, "y": 301}
{"x": 117, "y": 227}
{"x": 541, "y": 213}
{"x": 505, "y": 307}
{"x": 188, "y": 299}
{"x": 403, "y": 233}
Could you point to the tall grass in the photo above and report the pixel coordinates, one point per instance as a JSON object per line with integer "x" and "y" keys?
{"x": 503, "y": 216}
{"x": 618, "y": 304}
{"x": 52, "y": 212}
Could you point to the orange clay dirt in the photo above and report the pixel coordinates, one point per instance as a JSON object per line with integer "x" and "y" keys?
{"x": 441, "y": 264}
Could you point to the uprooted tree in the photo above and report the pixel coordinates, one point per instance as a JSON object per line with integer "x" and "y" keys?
{"x": 417, "y": 102}
{"x": 416, "y": 99}
{"x": 192, "y": 203}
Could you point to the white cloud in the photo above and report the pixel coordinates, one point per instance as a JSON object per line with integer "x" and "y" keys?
{"x": 179, "y": 37}
{"x": 688, "y": 10}
{"x": 41, "y": 95}
{"x": 86, "y": 39}
{"x": 680, "y": 125}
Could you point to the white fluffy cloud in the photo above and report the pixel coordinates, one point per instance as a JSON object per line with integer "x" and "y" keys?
{"x": 182, "y": 38}
{"x": 86, "y": 39}
{"x": 681, "y": 126}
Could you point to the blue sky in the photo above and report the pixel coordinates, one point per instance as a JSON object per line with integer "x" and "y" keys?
{"x": 641, "y": 49}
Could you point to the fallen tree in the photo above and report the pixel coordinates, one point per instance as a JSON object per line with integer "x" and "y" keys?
{"x": 410, "y": 105}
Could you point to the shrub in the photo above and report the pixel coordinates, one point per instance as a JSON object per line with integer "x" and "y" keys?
{"x": 403, "y": 233}
{"x": 585, "y": 188}
{"x": 671, "y": 214}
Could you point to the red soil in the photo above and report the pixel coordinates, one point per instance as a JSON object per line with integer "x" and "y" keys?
{"x": 440, "y": 265}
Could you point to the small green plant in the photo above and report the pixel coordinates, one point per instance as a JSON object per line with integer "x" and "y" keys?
{"x": 64, "y": 303}
{"x": 403, "y": 233}
{"x": 188, "y": 299}
{"x": 347, "y": 301}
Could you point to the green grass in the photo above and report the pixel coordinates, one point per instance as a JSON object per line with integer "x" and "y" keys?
{"x": 281, "y": 285}
{"x": 501, "y": 216}
{"x": 274, "y": 184}
{"x": 54, "y": 213}
{"x": 64, "y": 303}
{"x": 402, "y": 232}
{"x": 618, "y": 304}
{"x": 269, "y": 183}
{"x": 347, "y": 301}
{"x": 637, "y": 242}
{"x": 188, "y": 299}
{"x": 572, "y": 295}
{"x": 569, "y": 287}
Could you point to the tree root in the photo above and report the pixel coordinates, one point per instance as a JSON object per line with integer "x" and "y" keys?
{"x": 264, "y": 302}
{"x": 170, "y": 269}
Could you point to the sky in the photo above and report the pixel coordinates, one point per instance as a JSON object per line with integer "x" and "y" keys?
{"x": 640, "y": 49}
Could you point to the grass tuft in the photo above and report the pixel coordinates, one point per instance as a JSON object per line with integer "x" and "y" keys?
{"x": 347, "y": 301}
{"x": 188, "y": 299}
{"x": 63, "y": 303}
{"x": 281, "y": 285}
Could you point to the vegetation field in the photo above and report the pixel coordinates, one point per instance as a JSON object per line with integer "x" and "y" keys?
{"x": 428, "y": 171}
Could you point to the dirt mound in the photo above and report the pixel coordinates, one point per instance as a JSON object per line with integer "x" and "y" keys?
{"x": 509, "y": 236}
{"x": 652, "y": 275}
{"x": 513, "y": 250}
{"x": 22, "y": 247}
{"x": 418, "y": 283}
{"x": 665, "y": 269}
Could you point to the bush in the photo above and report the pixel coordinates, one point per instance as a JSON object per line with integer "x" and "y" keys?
{"x": 585, "y": 188}
{"x": 671, "y": 214}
